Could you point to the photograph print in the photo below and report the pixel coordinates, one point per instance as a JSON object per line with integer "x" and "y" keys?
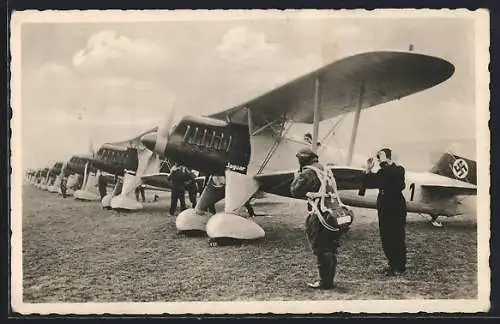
{"x": 250, "y": 161}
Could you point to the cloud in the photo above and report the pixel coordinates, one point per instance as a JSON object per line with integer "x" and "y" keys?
{"x": 49, "y": 74}
{"x": 113, "y": 82}
{"x": 108, "y": 52}
{"x": 242, "y": 44}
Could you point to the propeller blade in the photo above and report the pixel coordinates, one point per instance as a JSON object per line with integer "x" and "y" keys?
{"x": 163, "y": 133}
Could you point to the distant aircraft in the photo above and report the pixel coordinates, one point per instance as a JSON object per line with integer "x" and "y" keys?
{"x": 133, "y": 165}
{"x": 246, "y": 150}
{"x": 81, "y": 182}
{"x": 50, "y": 176}
{"x": 55, "y": 177}
{"x": 127, "y": 160}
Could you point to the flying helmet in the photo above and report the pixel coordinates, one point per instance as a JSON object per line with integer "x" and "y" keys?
{"x": 305, "y": 153}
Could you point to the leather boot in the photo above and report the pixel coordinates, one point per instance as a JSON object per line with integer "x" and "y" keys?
{"x": 333, "y": 269}
{"x": 325, "y": 266}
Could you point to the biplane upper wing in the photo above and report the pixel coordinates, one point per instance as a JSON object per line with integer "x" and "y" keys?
{"x": 376, "y": 77}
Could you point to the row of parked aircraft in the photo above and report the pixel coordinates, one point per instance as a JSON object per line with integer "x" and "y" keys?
{"x": 247, "y": 150}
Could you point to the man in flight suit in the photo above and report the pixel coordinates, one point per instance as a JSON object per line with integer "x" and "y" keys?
{"x": 391, "y": 208}
{"x": 323, "y": 231}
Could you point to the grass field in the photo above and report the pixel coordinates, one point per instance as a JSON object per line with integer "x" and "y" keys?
{"x": 77, "y": 252}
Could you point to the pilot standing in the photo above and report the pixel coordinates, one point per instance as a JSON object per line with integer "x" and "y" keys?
{"x": 323, "y": 227}
{"x": 391, "y": 208}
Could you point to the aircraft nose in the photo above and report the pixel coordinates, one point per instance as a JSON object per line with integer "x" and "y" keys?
{"x": 149, "y": 141}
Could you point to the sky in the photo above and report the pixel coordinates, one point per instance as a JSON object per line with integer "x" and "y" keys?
{"x": 106, "y": 82}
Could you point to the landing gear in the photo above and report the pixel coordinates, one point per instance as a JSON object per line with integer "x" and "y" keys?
{"x": 229, "y": 229}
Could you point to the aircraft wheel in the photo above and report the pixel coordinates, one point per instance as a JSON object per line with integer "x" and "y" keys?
{"x": 212, "y": 243}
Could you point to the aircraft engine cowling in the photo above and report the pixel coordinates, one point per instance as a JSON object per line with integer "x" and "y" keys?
{"x": 116, "y": 160}
{"x": 204, "y": 144}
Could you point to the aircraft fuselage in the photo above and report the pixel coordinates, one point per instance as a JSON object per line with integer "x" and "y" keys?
{"x": 417, "y": 199}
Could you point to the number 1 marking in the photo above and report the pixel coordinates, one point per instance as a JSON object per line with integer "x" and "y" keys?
{"x": 412, "y": 190}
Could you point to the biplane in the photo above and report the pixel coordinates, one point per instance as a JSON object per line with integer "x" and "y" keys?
{"x": 246, "y": 150}
{"x": 127, "y": 164}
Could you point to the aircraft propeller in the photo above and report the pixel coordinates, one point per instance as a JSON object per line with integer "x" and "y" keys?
{"x": 158, "y": 142}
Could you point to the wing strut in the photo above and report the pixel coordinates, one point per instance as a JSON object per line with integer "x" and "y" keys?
{"x": 317, "y": 109}
{"x": 357, "y": 115}
{"x": 250, "y": 122}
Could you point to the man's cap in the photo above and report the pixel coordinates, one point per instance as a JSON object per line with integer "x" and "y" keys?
{"x": 306, "y": 152}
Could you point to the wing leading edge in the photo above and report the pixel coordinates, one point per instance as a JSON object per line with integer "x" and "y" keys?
{"x": 384, "y": 76}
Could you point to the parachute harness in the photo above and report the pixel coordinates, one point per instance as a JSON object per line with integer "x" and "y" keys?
{"x": 317, "y": 199}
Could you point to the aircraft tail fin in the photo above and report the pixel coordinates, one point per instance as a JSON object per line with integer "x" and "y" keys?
{"x": 456, "y": 167}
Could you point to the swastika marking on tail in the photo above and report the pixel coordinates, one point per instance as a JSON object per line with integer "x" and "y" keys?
{"x": 460, "y": 168}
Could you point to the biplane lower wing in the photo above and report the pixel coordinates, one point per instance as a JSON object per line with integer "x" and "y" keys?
{"x": 160, "y": 181}
{"x": 351, "y": 178}
{"x": 278, "y": 183}
{"x": 450, "y": 190}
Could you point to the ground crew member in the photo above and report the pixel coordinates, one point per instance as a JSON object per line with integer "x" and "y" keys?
{"x": 64, "y": 179}
{"x": 309, "y": 139}
{"x": 191, "y": 187}
{"x": 140, "y": 189}
{"x": 79, "y": 182}
{"x": 391, "y": 208}
{"x": 118, "y": 186}
{"x": 211, "y": 208}
{"x": 102, "y": 184}
{"x": 249, "y": 208}
{"x": 177, "y": 178}
{"x": 328, "y": 217}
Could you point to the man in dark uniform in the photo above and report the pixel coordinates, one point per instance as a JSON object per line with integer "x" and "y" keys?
{"x": 140, "y": 189}
{"x": 64, "y": 179}
{"x": 79, "y": 183}
{"x": 178, "y": 178}
{"x": 208, "y": 177}
{"x": 248, "y": 206}
{"x": 323, "y": 226}
{"x": 102, "y": 184}
{"x": 391, "y": 208}
{"x": 118, "y": 186}
{"x": 191, "y": 187}
{"x": 309, "y": 139}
